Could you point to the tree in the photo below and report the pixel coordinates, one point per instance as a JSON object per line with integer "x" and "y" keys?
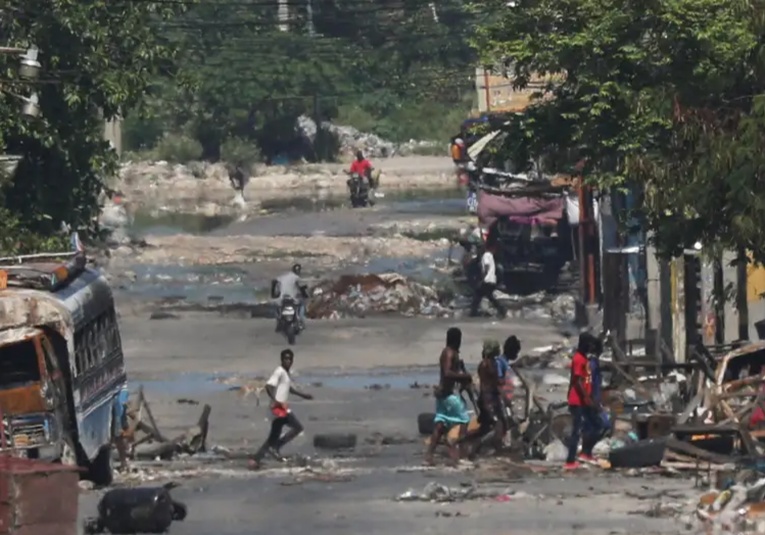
{"x": 657, "y": 93}
{"x": 98, "y": 58}
{"x": 245, "y": 78}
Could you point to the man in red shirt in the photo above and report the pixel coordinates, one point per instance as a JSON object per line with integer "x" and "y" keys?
{"x": 580, "y": 403}
{"x": 361, "y": 166}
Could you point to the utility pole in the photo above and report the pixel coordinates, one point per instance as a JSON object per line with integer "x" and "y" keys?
{"x": 309, "y": 15}
{"x": 283, "y": 15}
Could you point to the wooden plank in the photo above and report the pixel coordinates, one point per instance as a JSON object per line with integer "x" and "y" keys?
{"x": 689, "y": 449}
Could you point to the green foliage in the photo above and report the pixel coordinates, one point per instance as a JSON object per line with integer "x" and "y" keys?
{"x": 658, "y": 94}
{"x": 240, "y": 152}
{"x": 242, "y": 77}
{"x": 178, "y": 148}
{"x": 98, "y": 58}
{"x": 425, "y": 121}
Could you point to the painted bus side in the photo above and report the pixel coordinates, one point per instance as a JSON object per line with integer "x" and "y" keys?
{"x": 99, "y": 379}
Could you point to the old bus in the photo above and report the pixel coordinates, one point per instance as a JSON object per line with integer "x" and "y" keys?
{"x": 63, "y": 385}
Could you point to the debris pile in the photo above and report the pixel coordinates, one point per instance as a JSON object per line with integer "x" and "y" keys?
{"x": 360, "y": 295}
{"x": 438, "y": 493}
{"x": 540, "y": 305}
{"x": 372, "y": 145}
{"x": 733, "y": 507}
{"x": 147, "y": 442}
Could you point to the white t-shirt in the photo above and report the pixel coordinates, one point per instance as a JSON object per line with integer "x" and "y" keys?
{"x": 489, "y": 268}
{"x": 282, "y": 382}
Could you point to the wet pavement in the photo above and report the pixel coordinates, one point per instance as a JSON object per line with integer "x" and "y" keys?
{"x": 208, "y": 286}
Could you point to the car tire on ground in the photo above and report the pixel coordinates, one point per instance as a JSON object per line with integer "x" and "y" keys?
{"x": 426, "y": 423}
{"x": 334, "y": 441}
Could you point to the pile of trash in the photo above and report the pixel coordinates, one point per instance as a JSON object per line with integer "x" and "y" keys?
{"x": 360, "y": 295}
{"x": 372, "y": 145}
{"x": 736, "y": 505}
{"x": 540, "y": 305}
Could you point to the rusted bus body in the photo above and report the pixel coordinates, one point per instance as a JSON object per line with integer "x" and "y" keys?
{"x": 63, "y": 383}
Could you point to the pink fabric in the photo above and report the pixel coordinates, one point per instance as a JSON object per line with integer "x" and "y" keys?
{"x": 521, "y": 209}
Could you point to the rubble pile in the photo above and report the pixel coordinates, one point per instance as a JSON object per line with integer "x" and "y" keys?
{"x": 737, "y": 506}
{"x": 540, "y": 305}
{"x": 359, "y": 295}
{"x": 352, "y": 140}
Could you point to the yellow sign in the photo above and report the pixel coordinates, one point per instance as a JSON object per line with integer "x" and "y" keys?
{"x": 3, "y": 279}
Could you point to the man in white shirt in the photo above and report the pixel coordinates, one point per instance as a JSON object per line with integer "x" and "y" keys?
{"x": 279, "y": 387}
{"x": 488, "y": 284}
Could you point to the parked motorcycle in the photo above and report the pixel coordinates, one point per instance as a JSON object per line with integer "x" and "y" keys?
{"x": 287, "y": 322}
{"x": 359, "y": 190}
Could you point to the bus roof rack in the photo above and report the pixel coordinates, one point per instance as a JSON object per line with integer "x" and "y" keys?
{"x": 20, "y": 259}
{"x": 43, "y": 277}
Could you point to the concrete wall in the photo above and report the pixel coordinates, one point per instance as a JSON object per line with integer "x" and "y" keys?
{"x": 113, "y": 134}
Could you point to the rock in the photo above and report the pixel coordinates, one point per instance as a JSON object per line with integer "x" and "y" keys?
{"x": 373, "y": 146}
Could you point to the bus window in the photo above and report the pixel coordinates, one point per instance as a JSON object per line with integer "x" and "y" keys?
{"x": 19, "y": 364}
{"x": 79, "y": 353}
{"x": 91, "y": 347}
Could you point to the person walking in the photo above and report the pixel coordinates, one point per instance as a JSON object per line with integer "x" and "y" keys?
{"x": 488, "y": 284}
{"x": 451, "y": 410}
{"x": 584, "y": 411}
{"x": 278, "y": 388}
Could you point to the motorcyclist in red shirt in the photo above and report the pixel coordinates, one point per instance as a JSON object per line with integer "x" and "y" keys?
{"x": 362, "y": 167}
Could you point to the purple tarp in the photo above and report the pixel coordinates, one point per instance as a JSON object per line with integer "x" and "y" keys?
{"x": 521, "y": 209}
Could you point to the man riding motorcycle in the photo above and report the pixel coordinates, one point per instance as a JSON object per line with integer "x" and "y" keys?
{"x": 362, "y": 167}
{"x": 290, "y": 285}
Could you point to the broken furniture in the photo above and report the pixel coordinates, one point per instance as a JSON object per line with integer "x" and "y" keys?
{"x": 147, "y": 442}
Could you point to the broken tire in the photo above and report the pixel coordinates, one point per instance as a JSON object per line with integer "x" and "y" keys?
{"x": 426, "y": 423}
{"x": 639, "y": 454}
{"x": 334, "y": 441}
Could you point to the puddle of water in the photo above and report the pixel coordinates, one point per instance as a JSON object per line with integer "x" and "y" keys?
{"x": 199, "y": 284}
{"x": 184, "y": 384}
{"x": 302, "y": 204}
{"x": 371, "y": 381}
{"x": 188, "y": 384}
{"x": 168, "y": 223}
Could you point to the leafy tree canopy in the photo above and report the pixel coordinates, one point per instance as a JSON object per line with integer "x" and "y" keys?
{"x": 662, "y": 94}
{"x": 97, "y": 58}
{"x": 243, "y": 77}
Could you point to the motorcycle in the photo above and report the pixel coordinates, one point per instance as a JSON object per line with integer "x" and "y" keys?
{"x": 287, "y": 322}
{"x": 359, "y": 190}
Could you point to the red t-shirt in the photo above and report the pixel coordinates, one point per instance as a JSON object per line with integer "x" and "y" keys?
{"x": 580, "y": 367}
{"x": 361, "y": 167}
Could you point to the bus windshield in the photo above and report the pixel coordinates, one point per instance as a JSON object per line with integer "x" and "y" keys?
{"x": 18, "y": 364}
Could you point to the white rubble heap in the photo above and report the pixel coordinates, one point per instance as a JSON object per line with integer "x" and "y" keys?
{"x": 371, "y": 145}
{"x": 358, "y": 295}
